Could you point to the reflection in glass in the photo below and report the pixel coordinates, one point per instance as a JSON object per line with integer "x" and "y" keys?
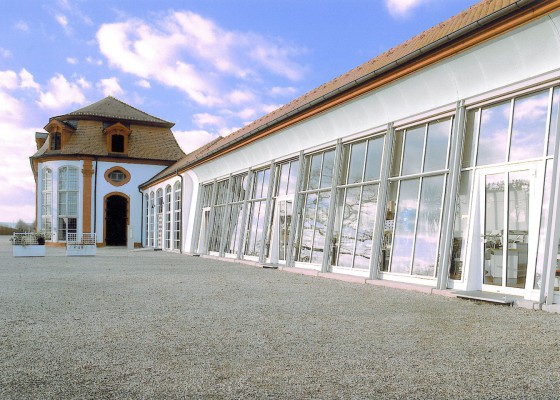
{"x": 366, "y": 222}
{"x": 314, "y": 172}
{"x": 292, "y": 179}
{"x": 356, "y": 162}
{"x": 541, "y": 255}
{"x": 460, "y": 226}
{"x": 284, "y": 222}
{"x": 554, "y": 121}
{"x": 373, "y": 160}
{"x": 326, "y": 174}
{"x": 397, "y": 154}
{"x": 436, "y": 145}
{"x": 308, "y": 223}
{"x": 493, "y": 229}
{"x": 493, "y": 137}
{"x": 529, "y": 126}
{"x": 349, "y": 226}
{"x": 413, "y": 151}
{"x": 407, "y": 209}
{"x": 320, "y": 227}
{"x": 518, "y": 228}
{"x": 427, "y": 231}
{"x": 470, "y": 134}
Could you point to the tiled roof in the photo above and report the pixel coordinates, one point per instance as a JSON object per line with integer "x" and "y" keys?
{"x": 475, "y": 17}
{"x": 110, "y": 108}
{"x": 150, "y": 137}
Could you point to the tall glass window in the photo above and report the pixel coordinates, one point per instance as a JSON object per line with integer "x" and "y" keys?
{"x": 412, "y": 226}
{"x": 256, "y": 207}
{"x": 234, "y": 224}
{"x": 159, "y": 217}
{"x": 46, "y": 201}
{"x": 67, "y": 201}
{"x": 285, "y": 179}
{"x": 218, "y": 210}
{"x": 151, "y": 235}
{"x": 177, "y": 215}
{"x": 168, "y": 217}
{"x": 523, "y": 128}
{"x": 146, "y": 219}
{"x": 357, "y": 203}
{"x": 316, "y": 196}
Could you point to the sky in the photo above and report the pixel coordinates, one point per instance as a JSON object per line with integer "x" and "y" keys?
{"x": 209, "y": 66}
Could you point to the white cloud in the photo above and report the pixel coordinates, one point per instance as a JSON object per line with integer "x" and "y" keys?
{"x": 93, "y": 61}
{"x": 193, "y": 54}
{"x": 110, "y": 87}
{"x": 63, "y": 22}
{"x": 206, "y": 119}
{"x": 8, "y": 80}
{"x": 5, "y": 53}
{"x": 399, "y": 8}
{"x": 143, "y": 83}
{"x": 278, "y": 91}
{"x": 83, "y": 83}
{"x": 72, "y": 60}
{"x": 192, "y": 140}
{"x": 27, "y": 80}
{"x": 61, "y": 94}
{"x": 16, "y": 178}
{"x": 21, "y": 26}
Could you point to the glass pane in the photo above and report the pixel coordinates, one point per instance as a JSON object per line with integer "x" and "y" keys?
{"x": 374, "y": 157}
{"x": 314, "y": 172}
{"x": 529, "y": 126}
{"x": 436, "y": 146}
{"x": 307, "y": 228}
{"x": 518, "y": 228}
{"x": 470, "y": 134}
{"x": 460, "y": 227}
{"x": 554, "y": 121}
{"x": 493, "y": 137}
{"x": 541, "y": 255}
{"x": 407, "y": 208}
{"x": 328, "y": 164}
{"x": 285, "y": 222}
{"x": 265, "y": 179}
{"x": 366, "y": 223}
{"x": 320, "y": 227}
{"x": 284, "y": 172}
{"x": 349, "y": 226}
{"x": 356, "y": 163}
{"x": 388, "y": 226}
{"x": 294, "y": 166}
{"x": 397, "y": 154}
{"x": 427, "y": 232}
{"x": 413, "y": 149}
{"x": 493, "y": 229}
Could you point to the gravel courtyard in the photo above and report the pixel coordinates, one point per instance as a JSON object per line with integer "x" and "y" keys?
{"x": 147, "y": 324}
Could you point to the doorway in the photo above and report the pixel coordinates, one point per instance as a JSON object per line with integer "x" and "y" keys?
{"x": 116, "y": 220}
{"x": 509, "y": 222}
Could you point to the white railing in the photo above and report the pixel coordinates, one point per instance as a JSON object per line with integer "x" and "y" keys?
{"x": 81, "y": 239}
{"x": 26, "y": 238}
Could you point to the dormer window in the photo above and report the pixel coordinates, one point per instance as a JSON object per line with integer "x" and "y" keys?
{"x": 56, "y": 141}
{"x": 117, "y": 138}
{"x": 59, "y": 134}
{"x": 117, "y": 143}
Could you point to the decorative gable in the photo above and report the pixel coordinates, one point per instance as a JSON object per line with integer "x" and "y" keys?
{"x": 117, "y": 138}
{"x": 59, "y": 134}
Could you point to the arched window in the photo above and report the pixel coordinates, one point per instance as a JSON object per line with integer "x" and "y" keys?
{"x": 46, "y": 201}
{"x": 152, "y": 218}
{"x": 177, "y": 216}
{"x": 67, "y": 201}
{"x": 168, "y": 217}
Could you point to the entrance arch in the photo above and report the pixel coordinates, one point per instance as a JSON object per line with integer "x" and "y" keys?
{"x": 116, "y": 219}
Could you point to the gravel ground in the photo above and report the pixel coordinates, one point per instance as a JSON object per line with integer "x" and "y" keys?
{"x": 147, "y": 324}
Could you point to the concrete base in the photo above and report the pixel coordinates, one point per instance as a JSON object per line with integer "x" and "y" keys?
{"x": 30, "y": 250}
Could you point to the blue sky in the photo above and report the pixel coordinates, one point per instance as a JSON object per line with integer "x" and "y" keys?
{"x": 210, "y": 66}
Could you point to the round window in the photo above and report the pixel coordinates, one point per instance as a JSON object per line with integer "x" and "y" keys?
{"x": 117, "y": 176}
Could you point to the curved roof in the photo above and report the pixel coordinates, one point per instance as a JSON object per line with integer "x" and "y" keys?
{"x": 110, "y": 108}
